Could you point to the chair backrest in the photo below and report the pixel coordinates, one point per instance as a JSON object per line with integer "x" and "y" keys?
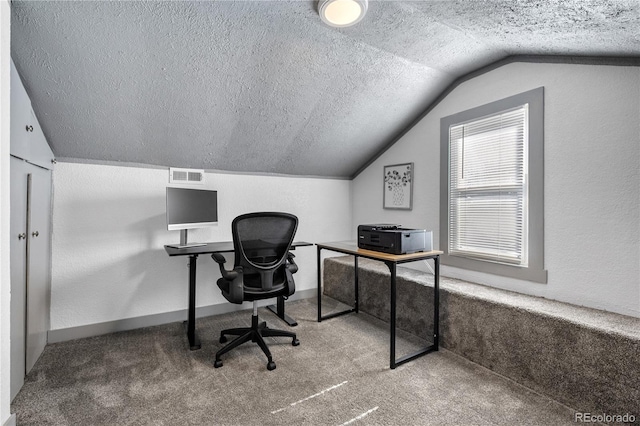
{"x": 261, "y": 243}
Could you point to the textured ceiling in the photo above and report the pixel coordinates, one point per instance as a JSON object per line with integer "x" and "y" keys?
{"x": 265, "y": 86}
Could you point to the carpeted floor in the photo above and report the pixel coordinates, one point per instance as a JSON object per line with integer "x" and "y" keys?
{"x": 338, "y": 375}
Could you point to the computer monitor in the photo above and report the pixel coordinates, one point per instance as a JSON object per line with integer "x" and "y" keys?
{"x": 189, "y": 208}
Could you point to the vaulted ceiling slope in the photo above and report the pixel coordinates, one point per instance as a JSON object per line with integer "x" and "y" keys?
{"x": 265, "y": 86}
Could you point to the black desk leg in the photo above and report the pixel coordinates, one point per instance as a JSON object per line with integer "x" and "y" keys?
{"x": 436, "y": 312}
{"x": 279, "y": 311}
{"x": 194, "y": 342}
{"x": 335, "y": 314}
{"x": 356, "y": 283}
{"x": 392, "y": 315}
{"x": 436, "y": 303}
{"x": 319, "y": 287}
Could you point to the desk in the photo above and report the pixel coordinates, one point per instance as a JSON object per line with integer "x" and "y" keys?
{"x": 210, "y": 248}
{"x": 392, "y": 261}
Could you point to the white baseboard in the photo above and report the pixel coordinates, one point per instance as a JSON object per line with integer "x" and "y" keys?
{"x": 11, "y": 421}
{"x": 90, "y": 330}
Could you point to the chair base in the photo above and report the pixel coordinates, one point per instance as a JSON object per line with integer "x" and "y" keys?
{"x": 255, "y": 333}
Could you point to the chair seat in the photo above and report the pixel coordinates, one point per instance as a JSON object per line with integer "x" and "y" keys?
{"x": 251, "y": 294}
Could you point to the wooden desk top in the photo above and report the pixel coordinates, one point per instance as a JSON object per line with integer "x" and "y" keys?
{"x": 350, "y": 247}
{"x": 219, "y": 247}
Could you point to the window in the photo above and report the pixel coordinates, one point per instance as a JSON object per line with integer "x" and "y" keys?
{"x": 487, "y": 188}
{"x": 491, "y": 188}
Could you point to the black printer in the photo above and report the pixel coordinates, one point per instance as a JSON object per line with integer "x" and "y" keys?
{"x": 389, "y": 238}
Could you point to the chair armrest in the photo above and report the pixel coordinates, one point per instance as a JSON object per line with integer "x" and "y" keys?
{"x": 227, "y": 275}
{"x": 291, "y": 264}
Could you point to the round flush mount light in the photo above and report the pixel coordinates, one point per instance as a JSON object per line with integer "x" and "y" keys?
{"x": 342, "y": 13}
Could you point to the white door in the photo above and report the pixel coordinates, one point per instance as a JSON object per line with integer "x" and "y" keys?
{"x": 39, "y": 263}
{"x": 18, "y": 272}
{"x": 30, "y": 266}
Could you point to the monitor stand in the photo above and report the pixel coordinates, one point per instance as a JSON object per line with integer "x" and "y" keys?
{"x": 184, "y": 243}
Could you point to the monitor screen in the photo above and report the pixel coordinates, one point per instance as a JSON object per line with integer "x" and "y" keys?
{"x": 189, "y": 208}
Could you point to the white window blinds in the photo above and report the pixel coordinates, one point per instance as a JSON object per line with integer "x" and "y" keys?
{"x": 488, "y": 187}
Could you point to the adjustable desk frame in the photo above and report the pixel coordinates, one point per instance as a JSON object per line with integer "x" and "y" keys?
{"x": 210, "y": 248}
{"x": 392, "y": 261}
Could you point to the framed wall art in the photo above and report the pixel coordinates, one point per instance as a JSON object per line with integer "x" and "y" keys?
{"x": 398, "y": 187}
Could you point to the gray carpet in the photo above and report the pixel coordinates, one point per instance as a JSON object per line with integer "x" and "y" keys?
{"x": 338, "y": 375}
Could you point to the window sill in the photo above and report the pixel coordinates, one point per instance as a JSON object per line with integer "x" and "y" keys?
{"x": 531, "y": 273}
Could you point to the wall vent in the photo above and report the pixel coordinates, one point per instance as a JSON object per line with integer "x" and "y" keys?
{"x": 192, "y": 176}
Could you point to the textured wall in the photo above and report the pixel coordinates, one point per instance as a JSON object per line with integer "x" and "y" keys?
{"x": 109, "y": 230}
{"x": 592, "y": 179}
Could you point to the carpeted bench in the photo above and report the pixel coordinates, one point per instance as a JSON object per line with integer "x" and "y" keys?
{"x": 585, "y": 358}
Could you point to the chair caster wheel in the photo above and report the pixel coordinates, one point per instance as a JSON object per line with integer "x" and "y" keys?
{"x": 271, "y": 365}
{"x": 218, "y": 363}
{"x": 295, "y": 342}
{"x": 223, "y": 339}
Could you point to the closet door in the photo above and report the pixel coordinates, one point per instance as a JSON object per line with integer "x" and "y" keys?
{"x": 38, "y": 262}
{"x": 21, "y": 123}
{"x": 30, "y": 266}
{"x": 18, "y": 272}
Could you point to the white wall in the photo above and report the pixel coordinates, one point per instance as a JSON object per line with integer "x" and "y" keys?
{"x": 109, "y": 230}
{"x": 5, "y": 277}
{"x": 592, "y": 179}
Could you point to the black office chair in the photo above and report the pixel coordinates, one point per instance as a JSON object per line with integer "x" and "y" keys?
{"x": 263, "y": 268}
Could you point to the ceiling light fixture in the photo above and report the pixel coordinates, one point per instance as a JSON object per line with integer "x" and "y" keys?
{"x": 342, "y": 13}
